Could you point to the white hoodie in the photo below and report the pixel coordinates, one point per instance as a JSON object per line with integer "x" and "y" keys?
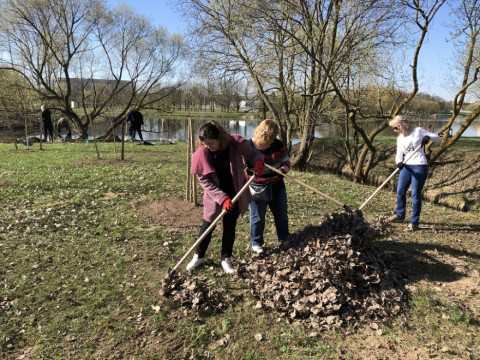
{"x": 407, "y": 144}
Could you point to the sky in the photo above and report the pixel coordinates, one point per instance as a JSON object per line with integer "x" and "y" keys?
{"x": 435, "y": 55}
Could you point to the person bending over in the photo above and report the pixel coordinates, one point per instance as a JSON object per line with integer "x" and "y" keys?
{"x": 218, "y": 163}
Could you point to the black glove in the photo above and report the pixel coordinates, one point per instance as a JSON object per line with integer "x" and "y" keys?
{"x": 282, "y": 170}
{"x": 425, "y": 140}
{"x": 400, "y": 165}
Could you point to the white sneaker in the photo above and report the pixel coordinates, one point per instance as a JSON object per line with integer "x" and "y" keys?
{"x": 227, "y": 266}
{"x": 257, "y": 249}
{"x": 196, "y": 262}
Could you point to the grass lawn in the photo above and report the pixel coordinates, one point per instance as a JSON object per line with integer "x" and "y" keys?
{"x": 81, "y": 267}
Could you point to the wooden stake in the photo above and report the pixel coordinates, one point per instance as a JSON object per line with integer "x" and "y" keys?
{"x": 192, "y": 149}
{"x": 189, "y": 161}
{"x": 122, "y": 156}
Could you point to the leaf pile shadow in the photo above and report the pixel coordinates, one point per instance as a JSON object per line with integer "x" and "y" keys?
{"x": 327, "y": 275}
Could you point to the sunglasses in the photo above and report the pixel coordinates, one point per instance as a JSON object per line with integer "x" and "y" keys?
{"x": 395, "y": 128}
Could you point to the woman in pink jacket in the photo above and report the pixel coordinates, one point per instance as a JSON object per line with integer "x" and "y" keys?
{"x": 218, "y": 163}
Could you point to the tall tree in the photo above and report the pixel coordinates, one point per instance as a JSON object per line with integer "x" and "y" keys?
{"x": 416, "y": 18}
{"x": 467, "y": 39}
{"x": 296, "y": 53}
{"x": 79, "y": 51}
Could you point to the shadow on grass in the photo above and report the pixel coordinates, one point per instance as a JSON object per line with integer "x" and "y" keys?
{"x": 419, "y": 261}
{"x": 460, "y": 227}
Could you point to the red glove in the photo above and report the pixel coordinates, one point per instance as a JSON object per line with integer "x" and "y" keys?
{"x": 227, "y": 205}
{"x": 258, "y": 169}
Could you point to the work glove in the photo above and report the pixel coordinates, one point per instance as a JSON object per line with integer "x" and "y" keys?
{"x": 227, "y": 205}
{"x": 425, "y": 140}
{"x": 258, "y": 169}
{"x": 283, "y": 170}
{"x": 400, "y": 165}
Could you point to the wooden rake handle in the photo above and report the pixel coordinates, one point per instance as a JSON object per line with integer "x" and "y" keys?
{"x": 307, "y": 186}
{"x": 213, "y": 224}
{"x": 388, "y": 179}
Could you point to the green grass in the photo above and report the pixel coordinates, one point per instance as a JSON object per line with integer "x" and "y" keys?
{"x": 80, "y": 273}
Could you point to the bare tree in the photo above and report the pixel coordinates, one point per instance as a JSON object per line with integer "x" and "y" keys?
{"x": 466, "y": 38}
{"x": 296, "y": 53}
{"x": 80, "y": 51}
{"x": 18, "y": 101}
{"x": 418, "y": 15}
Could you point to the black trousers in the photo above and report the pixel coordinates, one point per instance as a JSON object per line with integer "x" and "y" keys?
{"x": 228, "y": 236}
{"x": 48, "y": 128}
{"x": 136, "y": 129}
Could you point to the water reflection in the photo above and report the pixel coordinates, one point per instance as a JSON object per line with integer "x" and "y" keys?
{"x": 156, "y": 129}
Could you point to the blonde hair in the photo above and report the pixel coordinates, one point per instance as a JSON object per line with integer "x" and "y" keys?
{"x": 401, "y": 122}
{"x": 266, "y": 131}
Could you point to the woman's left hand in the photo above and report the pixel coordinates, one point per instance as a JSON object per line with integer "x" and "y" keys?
{"x": 258, "y": 169}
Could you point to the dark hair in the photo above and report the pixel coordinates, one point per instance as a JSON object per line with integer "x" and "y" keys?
{"x": 213, "y": 130}
{"x": 208, "y": 131}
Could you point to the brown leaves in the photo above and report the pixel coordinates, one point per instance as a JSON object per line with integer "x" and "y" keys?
{"x": 327, "y": 276}
{"x": 194, "y": 296}
{"x": 330, "y": 275}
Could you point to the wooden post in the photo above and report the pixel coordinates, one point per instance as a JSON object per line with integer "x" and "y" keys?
{"x": 161, "y": 133}
{"x": 114, "y": 140}
{"x": 192, "y": 149}
{"x": 26, "y": 132}
{"x": 94, "y": 137}
{"x": 189, "y": 161}
{"x": 41, "y": 134}
{"x": 122, "y": 156}
{"x": 13, "y": 136}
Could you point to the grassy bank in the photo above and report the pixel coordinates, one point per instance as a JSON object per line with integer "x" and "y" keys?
{"x": 80, "y": 269}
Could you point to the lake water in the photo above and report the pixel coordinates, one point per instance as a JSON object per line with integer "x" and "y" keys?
{"x": 156, "y": 129}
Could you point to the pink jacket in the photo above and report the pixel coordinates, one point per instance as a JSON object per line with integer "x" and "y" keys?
{"x": 213, "y": 196}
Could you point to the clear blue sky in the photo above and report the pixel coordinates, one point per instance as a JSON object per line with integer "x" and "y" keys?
{"x": 161, "y": 12}
{"x": 433, "y": 58}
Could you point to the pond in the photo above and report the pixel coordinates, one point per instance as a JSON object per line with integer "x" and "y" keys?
{"x": 156, "y": 129}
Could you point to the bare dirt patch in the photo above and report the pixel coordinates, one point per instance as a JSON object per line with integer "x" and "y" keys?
{"x": 154, "y": 153}
{"x": 174, "y": 213}
{"x": 464, "y": 290}
{"x": 108, "y": 161}
{"x": 25, "y": 150}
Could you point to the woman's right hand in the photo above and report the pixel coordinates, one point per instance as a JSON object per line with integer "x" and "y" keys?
{"x": 227, "y": 205}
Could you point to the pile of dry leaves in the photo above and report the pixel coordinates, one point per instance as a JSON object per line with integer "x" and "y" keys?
{"x": 327, "y": 276}
{"x": 324, "y": 277}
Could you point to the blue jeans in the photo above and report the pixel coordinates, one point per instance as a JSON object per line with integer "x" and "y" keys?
{"x": 414, "y": 175}
{"x": 279, "y": 208}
